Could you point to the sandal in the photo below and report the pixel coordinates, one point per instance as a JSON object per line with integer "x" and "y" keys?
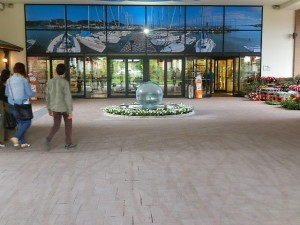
{"x": 25, "y": 145}
{"x": 14, "y": 140}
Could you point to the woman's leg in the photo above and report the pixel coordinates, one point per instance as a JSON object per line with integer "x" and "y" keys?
{"x": 22, "y": 127}
{"x": 2, "y": 119}
{"x": 8, "y": 132}
{"x": 14, "y": 138}
{"x": 21, "y": 131}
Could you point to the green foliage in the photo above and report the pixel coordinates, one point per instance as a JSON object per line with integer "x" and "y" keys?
{"x": 297, "y": 78}
{"x": 252, "y": 86}
{"x": 286, "y": 82}
{"x": 291, "y": 104}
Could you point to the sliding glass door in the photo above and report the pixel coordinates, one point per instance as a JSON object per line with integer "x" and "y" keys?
{"x": 167, "y": 73}
{"x": 126, "y": 75}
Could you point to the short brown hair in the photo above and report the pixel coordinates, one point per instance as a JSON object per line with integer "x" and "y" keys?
{"x": 20, "y": 68}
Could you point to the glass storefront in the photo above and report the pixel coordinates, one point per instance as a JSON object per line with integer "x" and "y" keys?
{"x": 97, "y": 77}
{"x": 87, "y": 76}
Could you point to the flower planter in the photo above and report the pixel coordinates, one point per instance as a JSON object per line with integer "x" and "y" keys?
{"x": 279, "y": 99}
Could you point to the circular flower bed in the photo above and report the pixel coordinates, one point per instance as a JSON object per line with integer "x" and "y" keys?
{"x": 138, "y": 110}
{"x": 272, "y": 102}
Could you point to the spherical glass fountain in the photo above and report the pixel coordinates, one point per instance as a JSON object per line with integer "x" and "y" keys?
{"x": 149, "y": 95}
{"x": 149, "y": 98}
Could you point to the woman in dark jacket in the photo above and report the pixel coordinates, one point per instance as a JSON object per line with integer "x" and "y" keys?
{"x": 5, "y": 134}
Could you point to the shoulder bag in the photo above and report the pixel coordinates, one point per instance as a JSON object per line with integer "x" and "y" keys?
{"x": 24, "y": 110}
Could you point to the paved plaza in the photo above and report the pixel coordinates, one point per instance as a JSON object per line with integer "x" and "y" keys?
{"x": 233, "y": 162}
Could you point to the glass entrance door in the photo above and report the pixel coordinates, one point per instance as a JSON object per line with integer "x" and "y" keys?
{"x": 220, "y": 78}
{"x": 156, "y": 72}
{"x": 95, "y": 77}
{"x": 224, "y": 75}
{"x": 126, "y": 75}
{"x": 167, "y": 73}
{"x": 76, "y": 71}
{"x": 117, "y": 71}
{"x": 135, "y": 75}
{"x": 174, "y": 77}
{"x": 203, "y": 67}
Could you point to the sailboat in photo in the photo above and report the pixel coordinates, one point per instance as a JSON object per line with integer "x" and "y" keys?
{"x": 30, "y": 43}
{"x": 204, "y": 44}
{"x": 63, "y": 43}
{"x": 255, "y": 48}
{"x": 92, "y": 41}
{"x": 188, "y": 40}
{"x": 176, "y": 46}
{"x": 169, "y": 38}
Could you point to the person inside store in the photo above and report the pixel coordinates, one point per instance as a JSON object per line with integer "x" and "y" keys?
{"x": 17, "y": 90}
{"x": 79, "y": 84}
{"x": 5, "y": 134}
{"x": 174, "y": 78}
{"x": 59, "y": 105}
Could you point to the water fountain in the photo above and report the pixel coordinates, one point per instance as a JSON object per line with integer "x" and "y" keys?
{"x": 149, "y": 95}
{"x": 149, "y": 98}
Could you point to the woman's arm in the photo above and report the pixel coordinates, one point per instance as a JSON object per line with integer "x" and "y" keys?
{"x": 28, "y": 91}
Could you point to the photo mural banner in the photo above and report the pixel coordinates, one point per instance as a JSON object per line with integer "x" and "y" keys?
{"x": 92, "y": 29}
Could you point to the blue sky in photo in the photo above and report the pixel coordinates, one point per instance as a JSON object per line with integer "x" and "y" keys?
{"x": 84, "y": 12}
{"x": 202, "y": 15}
{"x": 127, "y": 14}
{"x": 156, "y": 15}
{"x": 44, "y": 12}
{"x": 165, "y": 16}
{"x": 243, "y": 15}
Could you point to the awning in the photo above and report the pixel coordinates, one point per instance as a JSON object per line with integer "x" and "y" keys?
{"x": 8, "y": 46}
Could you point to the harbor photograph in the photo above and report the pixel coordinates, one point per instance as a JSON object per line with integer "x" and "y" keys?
{"x": 120, "y": 29}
